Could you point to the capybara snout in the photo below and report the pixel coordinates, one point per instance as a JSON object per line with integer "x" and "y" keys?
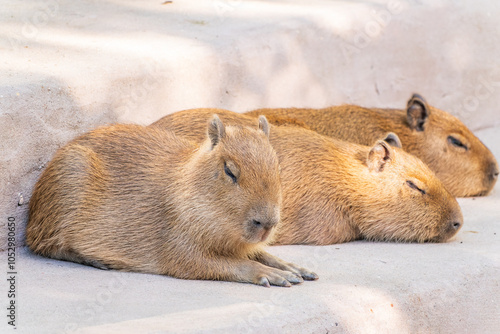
{"x": 452, "y": 222}
{"x": 261, "y": 222}
{"x": 491, "y": 175}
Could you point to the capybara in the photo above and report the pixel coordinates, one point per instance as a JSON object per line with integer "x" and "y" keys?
{"x": 133, "y": 198}
{"x": 335, "y": 191}
{"x": 458, "y": 158}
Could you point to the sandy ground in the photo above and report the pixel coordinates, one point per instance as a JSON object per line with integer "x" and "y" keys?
{"x": 67, "y": 67}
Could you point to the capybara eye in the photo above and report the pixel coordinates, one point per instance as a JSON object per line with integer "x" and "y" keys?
{"x": 455, "y": 142}
{"x": 414, "y": 186}
{"x": 229, "y": 173}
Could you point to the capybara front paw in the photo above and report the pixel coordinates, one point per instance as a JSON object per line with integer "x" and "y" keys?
{"x": 302, "y": 272}
{"x": 278, "y": 278}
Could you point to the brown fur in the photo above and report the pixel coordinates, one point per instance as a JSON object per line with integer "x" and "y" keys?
{"x": 286, "y": 121}
{"x": 334, "y": 191}
{"x": 141, "y": 199}
{"x": 423, "y": 130}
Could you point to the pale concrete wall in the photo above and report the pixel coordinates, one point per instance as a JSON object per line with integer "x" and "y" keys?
{"x": 68, "y": 66}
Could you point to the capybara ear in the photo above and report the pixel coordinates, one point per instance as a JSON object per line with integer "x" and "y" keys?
{"x": 380, "y": 154}
{"x": 216, "y": 130}
{"x": 392, "y": 139}
{"x": 264, "y": 125}
{"x": 417, "y": 112}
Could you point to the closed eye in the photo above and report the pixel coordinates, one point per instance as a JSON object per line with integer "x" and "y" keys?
{"x": 414, "y": 186}
{"x": 229, "y": 173}
{"x": 457, "y": 143}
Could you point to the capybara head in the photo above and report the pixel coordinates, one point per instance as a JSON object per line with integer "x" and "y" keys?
{"x": 444, "y": 143}
{"x": 407, "y": 202}
{"x": 246, "y": 186}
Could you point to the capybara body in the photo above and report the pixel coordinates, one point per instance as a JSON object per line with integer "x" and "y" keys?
{"x": 335, "y": 191}
{"x": 133, "y": 198}
{"x": 458, "y": 158}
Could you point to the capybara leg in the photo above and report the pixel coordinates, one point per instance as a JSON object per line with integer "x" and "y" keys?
{"x": 70, "y": 255}
{"x": 97, "y": 264}
{"x": 249, "y": 271}
{"x": 273, "y": 261}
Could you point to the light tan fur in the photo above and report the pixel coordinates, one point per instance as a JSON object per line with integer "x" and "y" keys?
{"x": 335, "y": 191}
{"x": 466, "y": 169}
{"x": 133, "y": 198}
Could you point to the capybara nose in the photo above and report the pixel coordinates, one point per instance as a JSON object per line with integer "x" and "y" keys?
{"x": 456, "y": 225}
{"x": 493, "y": 171}
{"x": 257, "y": 223}
{"x": 450, "y": 230}
{"x": 263, "y": 217}
{"x": 265, "y": 224}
